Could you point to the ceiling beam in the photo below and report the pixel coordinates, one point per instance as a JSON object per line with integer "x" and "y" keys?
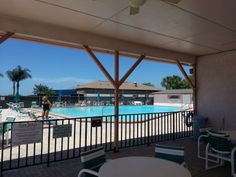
{"x": 49, "y": 32}
{"x": 5, "y": 37}
{"x": 122, "y": 80}
{"x": 99, "y": 64}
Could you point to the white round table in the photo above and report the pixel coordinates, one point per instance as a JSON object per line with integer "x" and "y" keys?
{"x": 142, "y": 167}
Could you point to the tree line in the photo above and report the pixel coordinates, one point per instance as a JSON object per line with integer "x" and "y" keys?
{"x": 173, "y": 82}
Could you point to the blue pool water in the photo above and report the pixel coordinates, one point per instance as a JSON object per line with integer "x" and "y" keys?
{"x": 91, "y": 111}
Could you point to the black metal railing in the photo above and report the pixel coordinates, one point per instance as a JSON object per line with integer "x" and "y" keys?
{"x": 59, "y": 142}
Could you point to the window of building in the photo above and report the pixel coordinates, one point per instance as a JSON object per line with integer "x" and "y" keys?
{"x": 173, "y": 96}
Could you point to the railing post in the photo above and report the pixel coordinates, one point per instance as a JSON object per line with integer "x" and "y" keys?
{"x": 173, "y": 124}
{"x": 3, "y": 130}
{"x": 148, "y": 137}
{"x": 49, "y": 133}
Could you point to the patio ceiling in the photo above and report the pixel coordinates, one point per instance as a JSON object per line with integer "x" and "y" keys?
{"x": 160, "y": 31}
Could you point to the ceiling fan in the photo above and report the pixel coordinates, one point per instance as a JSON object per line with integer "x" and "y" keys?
{"x": 136, "y": 4}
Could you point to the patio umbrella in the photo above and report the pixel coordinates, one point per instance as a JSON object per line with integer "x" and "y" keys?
{"x": 98, "y": 97}
{"x": 17, "y": 97}
{"x": 59, "y": 98}
{"x": 122, "y": 98}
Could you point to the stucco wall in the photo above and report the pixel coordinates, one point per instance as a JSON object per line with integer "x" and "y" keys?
{"x": 163, "y": 99}
{"x": 216, "y": 85}
{"x": 187, "y": 99}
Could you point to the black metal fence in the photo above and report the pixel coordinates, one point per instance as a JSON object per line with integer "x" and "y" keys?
{"x": 63, "y": 139}
{"x": 72, "y": 100}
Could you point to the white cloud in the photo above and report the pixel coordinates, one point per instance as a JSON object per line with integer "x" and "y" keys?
{"x": 61, "y": 80}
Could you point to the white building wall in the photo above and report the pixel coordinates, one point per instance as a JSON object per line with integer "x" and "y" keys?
{"x": 216, "y": 89}
{"x": 163, "y": 99}
{"x": 187, "y": 99}
{"x": 160, "y": 98}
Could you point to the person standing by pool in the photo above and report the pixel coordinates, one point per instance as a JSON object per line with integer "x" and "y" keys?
{"x": 46, "y": 107}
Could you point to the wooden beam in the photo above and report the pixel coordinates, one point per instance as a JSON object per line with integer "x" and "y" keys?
{"x": 131, "y": 69}
{"x": 94, "y": 49}
{"x": 102, "y": 68}
{"x": 116, "y": 135}
{"x": 185, "y": 74}
{"x": 116, "y": 69}
{"x": 5, "y": 37}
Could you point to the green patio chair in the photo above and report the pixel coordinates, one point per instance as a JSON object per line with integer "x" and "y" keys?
{"x": 91, "y": 161}
{"x": 202, "y": 141}
{"x": 171, "y": 153}
{"x": 7, "y": 127}
{"x": 220, "y": 147}
{"x": 9, "y": 121}
{"x": 1, "y": 129}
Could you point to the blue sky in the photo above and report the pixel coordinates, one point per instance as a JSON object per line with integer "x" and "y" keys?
{"x": 60, "y": 68}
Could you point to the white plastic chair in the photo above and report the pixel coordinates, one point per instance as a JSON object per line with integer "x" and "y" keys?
{"x": 92, "y": 160}
{"x": 202, "y": 141}
{"x": 220, "y": 147}
{"x": 91, "y": 172}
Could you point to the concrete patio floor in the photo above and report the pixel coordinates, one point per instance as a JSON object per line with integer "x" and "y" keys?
{"x": 70, "y": 168}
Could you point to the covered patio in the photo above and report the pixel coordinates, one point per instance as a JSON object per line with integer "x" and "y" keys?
{"x": 201, "y": 34}
{"x": 71, "y": 168}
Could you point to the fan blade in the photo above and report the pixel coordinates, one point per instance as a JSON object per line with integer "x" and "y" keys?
{"x": 134, "y": 10}
{"x": 172, "y": 1}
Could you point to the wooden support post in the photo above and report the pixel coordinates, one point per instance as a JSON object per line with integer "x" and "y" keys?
{"x": 131, "y": 69}
{"x": 192, "y": 84}
{"x": 5, "y": 36}
{"x": 102, "y": 68}
{"x": 195, "y": 88}
{"x": 185, "y": 75}
{"x": 116, "y": 137}
{"x": 116, "y": 84}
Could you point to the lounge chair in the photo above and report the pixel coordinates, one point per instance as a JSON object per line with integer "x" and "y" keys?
{"x": 10, "y": 105}
{"x": 171, "y": 153}
{"x": 91, "y": 161}
{"x": 21, "y": 104}
{"x": 34, "y": 104}
{"x": 221, "y": 148}
{"x": 14, "y": 106}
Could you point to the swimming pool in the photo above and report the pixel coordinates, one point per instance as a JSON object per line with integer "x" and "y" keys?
{"x": 92, "y": 111}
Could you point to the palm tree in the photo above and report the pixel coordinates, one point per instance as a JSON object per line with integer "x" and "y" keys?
{"x": 42, "y": 90}
{"x": 16, "y": 75}
{"x": 21, "y": 74}
{"x": 11, "y": 74}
